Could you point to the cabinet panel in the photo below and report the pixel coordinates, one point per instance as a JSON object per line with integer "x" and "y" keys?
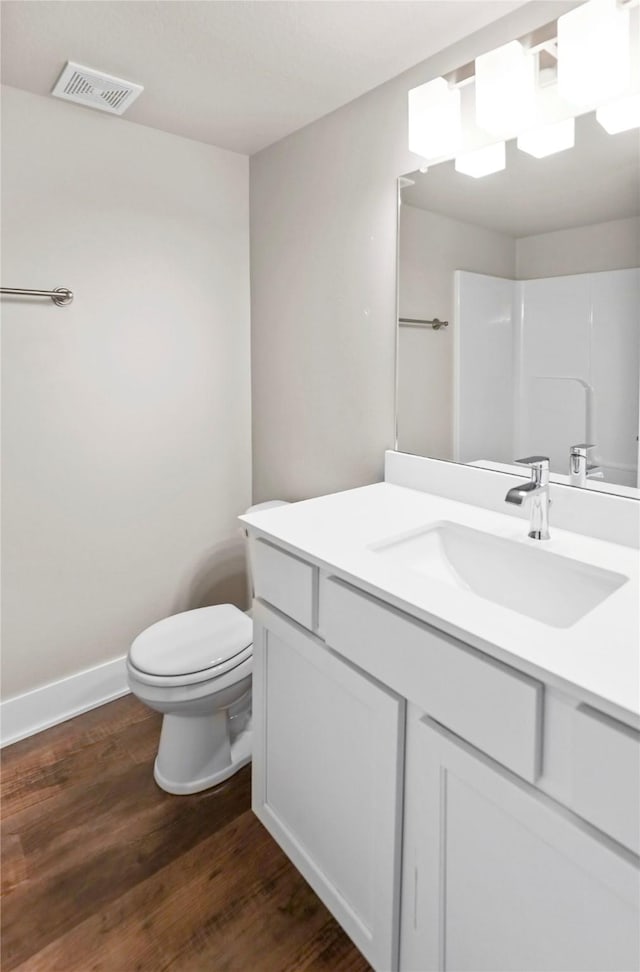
{"x": 496, "y": 708}
{"x": 285, "y": 581}
{"x": 498, "y": 877}
{"x": 605, "y": 772}
{"x": 328, "y": 778}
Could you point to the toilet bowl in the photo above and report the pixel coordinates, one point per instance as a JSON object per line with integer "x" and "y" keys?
{"x": 195, "y": 668}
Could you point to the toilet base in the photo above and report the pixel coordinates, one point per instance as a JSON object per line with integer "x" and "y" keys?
{"x": 240, "y": 756}
{"x": 196, "y": 753}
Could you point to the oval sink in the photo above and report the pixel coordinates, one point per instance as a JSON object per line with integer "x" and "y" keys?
{"x": 533, "y": 581}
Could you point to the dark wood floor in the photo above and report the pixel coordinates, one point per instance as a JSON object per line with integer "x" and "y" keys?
{"x": 102, "y": 870}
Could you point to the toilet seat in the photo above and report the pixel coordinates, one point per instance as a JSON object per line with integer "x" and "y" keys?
{"x": 153, "y": 689}
{"x": 192, "y": 678}
{"x": 191, "y": 647}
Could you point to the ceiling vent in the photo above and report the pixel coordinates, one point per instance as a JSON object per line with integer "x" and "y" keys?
{"x": 95, "y": 89}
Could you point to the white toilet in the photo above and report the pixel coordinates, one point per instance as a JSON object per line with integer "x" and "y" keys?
{"x": 195, "y": 668}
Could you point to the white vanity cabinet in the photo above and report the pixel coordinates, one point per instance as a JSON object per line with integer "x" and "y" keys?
{"x": 498, "y": 877}
{"x": 327, "y": 781}
{"x": 451, "y": 810}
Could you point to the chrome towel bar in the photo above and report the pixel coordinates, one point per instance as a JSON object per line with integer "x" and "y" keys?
{"x": 435, "y": 323}
{"x": 59, "y": 296}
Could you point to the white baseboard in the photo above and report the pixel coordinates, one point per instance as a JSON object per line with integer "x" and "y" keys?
{"x": 24, "y": 715}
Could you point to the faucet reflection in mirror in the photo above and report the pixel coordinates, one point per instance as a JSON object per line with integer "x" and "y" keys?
{"x": 580, "y": 469}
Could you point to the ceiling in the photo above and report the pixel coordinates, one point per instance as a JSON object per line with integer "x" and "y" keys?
{"x": 239, "y": 74}
{"x": 594, "y": 182}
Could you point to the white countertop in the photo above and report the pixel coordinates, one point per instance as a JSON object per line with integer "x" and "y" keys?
{"x": 599, "y": 655}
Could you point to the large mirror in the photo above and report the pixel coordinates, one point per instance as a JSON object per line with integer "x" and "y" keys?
{"x": 519, "y": 311}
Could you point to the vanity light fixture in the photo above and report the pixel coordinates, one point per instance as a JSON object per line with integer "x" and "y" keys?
{"x": 548, "y": 139}
{"x": 505, "y": 83}
{"x": 533, "y": 89}
{"x": 483, "y": 161}
{"x": 435, "y": 128}
{"x": 621, "y": 115}
{"x": 594, "y": 57}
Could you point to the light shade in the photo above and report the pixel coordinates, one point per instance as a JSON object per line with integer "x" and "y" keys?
{"x": 620, "y": 116}
{"x": 505, "y": 85}
{"x": 435, "y": 128}
{"x": 594, "y": 59}
{"x": 483, "y": 161}
{"x": 548, "y": 139}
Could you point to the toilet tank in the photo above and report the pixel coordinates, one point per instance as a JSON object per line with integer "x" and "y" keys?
{"x": 269, "y": 505}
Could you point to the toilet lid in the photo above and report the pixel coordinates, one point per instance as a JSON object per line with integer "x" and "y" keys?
{"x": 192, "y": 641}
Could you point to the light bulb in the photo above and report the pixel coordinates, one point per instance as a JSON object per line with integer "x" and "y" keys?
{"x": 482, "y": 162}
{"x": 505, "y": 82}
{"x": 548, "y": 139}
{"x": 620, "y": 116}
{"x": 594, "y": 60}
{"x": 434, "y": 119}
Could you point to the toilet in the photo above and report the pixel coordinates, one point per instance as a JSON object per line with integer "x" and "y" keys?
{"x": 195, "y": 668}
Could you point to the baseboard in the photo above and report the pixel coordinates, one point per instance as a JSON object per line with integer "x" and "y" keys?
{"x": 24, "y": 715}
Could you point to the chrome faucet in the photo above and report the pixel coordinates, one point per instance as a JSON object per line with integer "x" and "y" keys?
{"x": 580, "y": 469}
{"x": 537, "y": 490}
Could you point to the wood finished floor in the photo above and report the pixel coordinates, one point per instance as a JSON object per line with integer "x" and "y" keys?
{"x": 104, "y": 871}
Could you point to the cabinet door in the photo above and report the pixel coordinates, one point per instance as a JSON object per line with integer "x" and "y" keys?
{"x": 327, "y": 778}
{"x": 499, "y": 877}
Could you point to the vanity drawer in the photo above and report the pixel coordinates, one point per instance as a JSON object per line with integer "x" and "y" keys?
{"x": 605, "y": 771}
{"x": 285, "y": 581}
{"x": 494, "y": 707}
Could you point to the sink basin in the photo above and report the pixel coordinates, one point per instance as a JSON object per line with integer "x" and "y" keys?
{"x": 532, "y": 581}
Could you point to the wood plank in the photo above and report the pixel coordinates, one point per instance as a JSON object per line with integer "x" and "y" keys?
{"x": 105, "y": 871}
{"x": 83, "y": 856}
{"x": 14, "y": 864}
{"x": 246, "y": 908}
{"x": 36, "y": 768}
{"x": 87, "y": 728}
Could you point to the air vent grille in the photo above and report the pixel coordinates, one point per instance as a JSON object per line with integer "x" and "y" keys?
{"x": 95, "y": 89}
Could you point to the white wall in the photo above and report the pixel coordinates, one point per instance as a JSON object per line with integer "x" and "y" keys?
{"x": 432, "y": 247}
{"x": 583, "y": 249}
{"x": 323, "y": 254}
{"x": 126, "y": 414}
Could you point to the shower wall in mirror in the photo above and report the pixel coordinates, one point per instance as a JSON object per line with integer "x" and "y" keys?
{"x": 536, "y": 271}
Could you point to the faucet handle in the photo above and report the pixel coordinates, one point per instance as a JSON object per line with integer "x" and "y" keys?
{"x": 581, "y": 448}
{"x": 539, "y": 468}
{"x": 538, "y": 461}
